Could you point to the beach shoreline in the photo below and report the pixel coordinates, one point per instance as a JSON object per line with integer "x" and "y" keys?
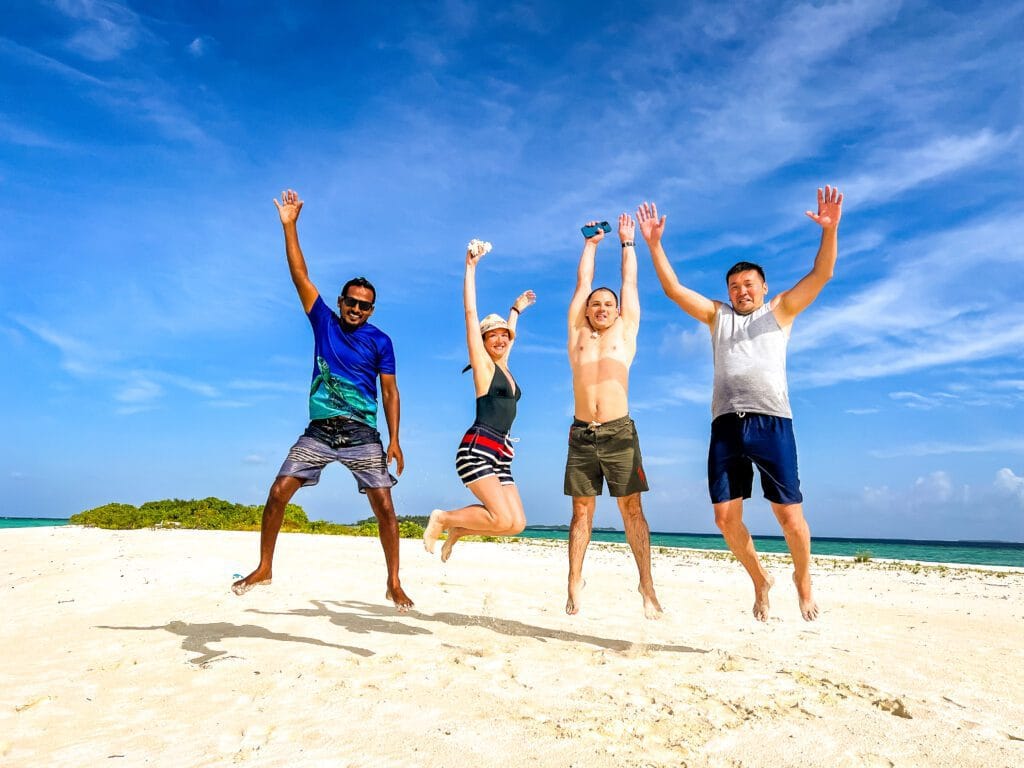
{"x": 127, "y": 647}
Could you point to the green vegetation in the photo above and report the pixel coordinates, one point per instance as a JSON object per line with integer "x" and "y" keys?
{"x": 219, "y": 515}
{"x": 863, "y": 556}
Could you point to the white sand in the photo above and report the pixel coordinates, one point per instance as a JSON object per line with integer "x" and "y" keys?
{"x": 128, "y": 648}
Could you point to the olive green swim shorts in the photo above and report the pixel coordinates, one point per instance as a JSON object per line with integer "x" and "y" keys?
{"x": 599, "y": 452}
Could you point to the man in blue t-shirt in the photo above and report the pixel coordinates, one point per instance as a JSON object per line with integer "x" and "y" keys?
{"x": 349, "y": 355}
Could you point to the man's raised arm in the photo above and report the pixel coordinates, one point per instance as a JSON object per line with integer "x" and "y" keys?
{"x": 584, "y": 280}
{"x": 697, "y": 306}
{"x": 629, "y": 309}
{"x": 791, "y": 303}
{"x": 288, "y": 209}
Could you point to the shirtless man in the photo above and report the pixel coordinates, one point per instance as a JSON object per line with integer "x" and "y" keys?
{"x": 603, "y": 443}
{"x": 752, "y": 420}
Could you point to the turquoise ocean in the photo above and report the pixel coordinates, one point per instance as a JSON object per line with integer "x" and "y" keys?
{"x": 958, "y": 552}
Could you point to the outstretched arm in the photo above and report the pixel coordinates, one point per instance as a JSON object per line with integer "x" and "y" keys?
{"x": 288, "y": 209}
{"x": 692, "y": 303}
{"x": 483, "y": 368}
{"x": 791, "y": 303}
{"x": 629, "y": 309}
{"x": 523, "y": 300}
{"x": 584, "y": 279}
{"x": 392, "y": 414}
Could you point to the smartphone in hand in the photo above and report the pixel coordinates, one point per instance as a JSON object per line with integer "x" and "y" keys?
{"x": 593, "y": 230}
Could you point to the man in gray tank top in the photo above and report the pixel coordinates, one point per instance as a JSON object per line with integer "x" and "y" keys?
{"x": 752, "y": 423}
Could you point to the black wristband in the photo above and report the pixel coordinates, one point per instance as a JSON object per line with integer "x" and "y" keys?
{"x": 515, "y": 309}
{"x": 628, "y": 243}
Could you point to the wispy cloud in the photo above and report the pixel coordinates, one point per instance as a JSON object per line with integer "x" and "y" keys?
{"x": 76, "y": 356}
{"x": 12, "y": 133}
{"x": 107, "y": 29}
{"x": 935, "y": 308}
{"x": 894, "y": 170}
{"x": 936, "y": 448}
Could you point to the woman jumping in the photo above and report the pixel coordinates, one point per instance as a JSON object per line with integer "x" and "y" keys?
{"x": 484, "y": 457}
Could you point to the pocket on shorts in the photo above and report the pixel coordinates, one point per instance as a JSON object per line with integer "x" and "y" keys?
{"x": 623, "y": 439}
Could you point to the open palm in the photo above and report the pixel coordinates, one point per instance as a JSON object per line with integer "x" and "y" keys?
{"x": 651, "y": 227}
{"x": 830, "y": 207}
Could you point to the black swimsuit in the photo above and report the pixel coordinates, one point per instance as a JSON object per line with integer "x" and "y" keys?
{"x": 486, "y": 449}
{"x": 497, "y": 408}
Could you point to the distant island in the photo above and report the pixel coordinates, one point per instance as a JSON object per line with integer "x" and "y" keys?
{"x": 215, "y": 514}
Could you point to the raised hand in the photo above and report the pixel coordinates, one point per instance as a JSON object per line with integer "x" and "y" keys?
{"x": 524, "y": 300}
{"x": 289, "y": 207}
{"x": 830, "y": 207}
{"x": 476, "y": 250}
{"x": 627, "y": 228}
{"x": 651, "y": 227}
{"x": 598, "y": 236}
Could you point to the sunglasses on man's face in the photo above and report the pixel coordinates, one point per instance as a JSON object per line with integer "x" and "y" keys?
{"x": 365, "y": 306}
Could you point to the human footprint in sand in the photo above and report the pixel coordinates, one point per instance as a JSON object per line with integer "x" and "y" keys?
{"x": 484, "y": 457}
{"x": 349, "y": 356}
{"x": 752, "y": 420}
{"x": 603, "y": 443}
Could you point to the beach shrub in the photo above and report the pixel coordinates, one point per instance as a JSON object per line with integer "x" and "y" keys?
{"x": 863, "y": 556}
{"x": 213, "y": 514}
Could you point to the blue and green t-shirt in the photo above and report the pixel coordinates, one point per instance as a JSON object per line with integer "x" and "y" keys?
{"x": 346, "y": 364}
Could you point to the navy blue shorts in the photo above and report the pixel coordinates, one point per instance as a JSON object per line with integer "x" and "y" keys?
{"x": 740, "y": 442}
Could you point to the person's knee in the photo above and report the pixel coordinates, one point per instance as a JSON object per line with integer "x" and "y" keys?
{"x": 280, "y": 494}
{"x": 380, "y": 503}
{"x": 790, "y": 517}
{"x": 630, "y": 506}
{"x": 726, "y": 515}
{"x": 582, "y": 508}
{"x": 516, "y": 526}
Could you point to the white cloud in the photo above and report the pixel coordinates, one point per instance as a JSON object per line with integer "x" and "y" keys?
{"x": 200, "y": 47}
{"x": 901, "y": 169}
{"x": 139, "y": 390}
{"x": 937, "y": 487}
{"x": 1002, "y": 445}
{"x": 77, "y": 357}
{"x": 108, "y": 28}
{"x": 1007, "y": 483}
{"x": 937, "y": 307}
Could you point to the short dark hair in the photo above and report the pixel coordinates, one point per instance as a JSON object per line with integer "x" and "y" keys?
{"x": 603, "y": 288}
{"x": 744, "y": 266}
{"x": 358, "y": 282}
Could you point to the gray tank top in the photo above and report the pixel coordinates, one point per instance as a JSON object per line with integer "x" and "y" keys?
{"x": 750, "y": 363}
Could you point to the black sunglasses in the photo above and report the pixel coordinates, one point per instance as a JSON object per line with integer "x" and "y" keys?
{"x": 348, "y": 301}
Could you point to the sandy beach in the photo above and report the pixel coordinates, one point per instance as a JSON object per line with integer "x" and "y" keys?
{"x": 126, "y": 648}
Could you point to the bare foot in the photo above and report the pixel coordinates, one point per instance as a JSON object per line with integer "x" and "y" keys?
{"x": 761, "y": 599}
{"x": 449, "y": 544}
{"x": 257, "y": 578}
{"x": 652, "y": 608}
{"x": 397, "y": 596}
{"x": 572, "y": 605}
{"x": 433, "y": 531}
{"x": 808, "y": 608}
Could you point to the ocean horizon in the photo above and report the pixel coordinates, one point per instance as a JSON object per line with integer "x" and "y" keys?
{"x": 959, "y": 552}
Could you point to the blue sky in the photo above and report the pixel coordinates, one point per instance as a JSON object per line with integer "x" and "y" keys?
{"x": 154, "y": 346}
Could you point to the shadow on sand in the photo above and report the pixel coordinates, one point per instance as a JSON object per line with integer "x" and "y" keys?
{"x": 199, "y": 636}
{"x": 366, "y": 617}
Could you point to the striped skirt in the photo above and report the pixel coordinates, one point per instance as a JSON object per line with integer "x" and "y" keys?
{"x": 482, "y": 453}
